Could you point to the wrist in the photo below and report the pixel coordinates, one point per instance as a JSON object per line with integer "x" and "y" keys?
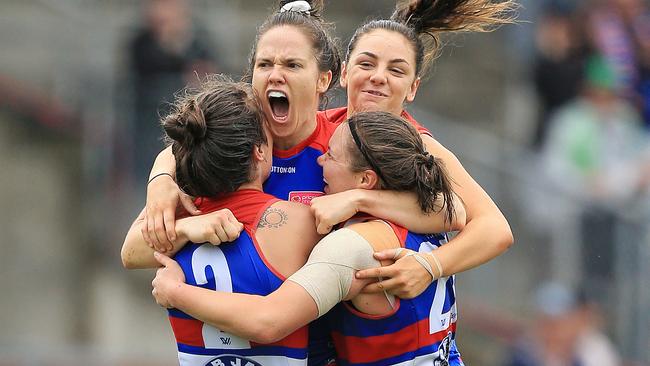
{"x": 181, "y": 232}
{"x": 436, "y": 266}
{"x": 160, "y": 176}
{"x": 175, "y": 295}
{"x": 361, "y": 199}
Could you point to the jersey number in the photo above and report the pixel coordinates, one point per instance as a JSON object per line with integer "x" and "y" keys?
{"x": 437, "y": 320}
{"x": 211, "y": 256}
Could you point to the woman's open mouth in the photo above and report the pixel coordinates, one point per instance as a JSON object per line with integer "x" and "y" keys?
{"x": 279, "y": 105}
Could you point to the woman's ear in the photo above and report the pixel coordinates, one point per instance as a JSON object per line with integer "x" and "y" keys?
{"x": 343, "y": 81}
{"x": 413, "y": 89}
{"x": 259, "y": 154}
{"x": 368, "y": 179}
{"x": 324, "y": 80}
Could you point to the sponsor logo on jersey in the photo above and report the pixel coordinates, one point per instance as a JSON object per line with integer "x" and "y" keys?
{"x": 303, "y": 197}
{"x": 443, "y": 352}
{"x": 232, "y": 360}
{"x": 283, "y": 169}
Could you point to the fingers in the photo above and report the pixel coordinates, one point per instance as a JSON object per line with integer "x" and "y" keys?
{"x": 162, "y": 259}
{"x": 323, "y": 228}
{"x": 221, "y": 234}
{"x": 232, "y": 229}
{"x": 213, "y": 238}
{"x": 393, "y": 254}
{"x": 169, "y": 219}
{"x": 160, "y": 233}
{"x": 388, "y": 285}
{"x": 379, "y": 272}
{"x": 188, "y": 204}
{"x": 226, "y": 228}
{"x": 147, "y": 228}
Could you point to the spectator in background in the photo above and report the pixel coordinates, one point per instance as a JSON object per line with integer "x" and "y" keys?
{"x": 565, "y": 332}
{"x": 165, "y": 55}
{"x": 620, "y": 32}
{"x": 559, "y": 63}
{"x": 593, "y": 347}
{"x": 597, "y": 152}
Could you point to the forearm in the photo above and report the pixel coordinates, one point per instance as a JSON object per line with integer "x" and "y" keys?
{"x": 262, "y": 319}
{"x": 403, "y": 209}
{"x": 483, "y": 239}
{"x": 486, "y": 234}
{"x": 136, "y": 253}
{"x": 164, "y": 163}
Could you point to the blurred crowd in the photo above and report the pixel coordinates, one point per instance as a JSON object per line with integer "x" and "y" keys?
{"x": 590, "y": 143}
{"x": 166, "y": 53}
{"x": 591, "y": 76}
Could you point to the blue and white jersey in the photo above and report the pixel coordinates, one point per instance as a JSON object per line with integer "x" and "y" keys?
{"x": 295, "y": 174}
{"x": 419, "y": 331}
{"x": 239, "y": 267}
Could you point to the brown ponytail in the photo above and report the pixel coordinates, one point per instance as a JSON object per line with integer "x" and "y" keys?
{"x": 422, "y": 21}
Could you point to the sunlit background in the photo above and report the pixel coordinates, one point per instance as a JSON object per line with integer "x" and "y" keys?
{"x": 550, "y": 116}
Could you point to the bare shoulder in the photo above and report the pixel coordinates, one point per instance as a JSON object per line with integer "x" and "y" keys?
{"x": 437, "y": 149}
{"x": 292, "y": 223}
{"x": 283, "y": 213}
{"x": 378, "y": 233}
{"x": 287, "y": 233}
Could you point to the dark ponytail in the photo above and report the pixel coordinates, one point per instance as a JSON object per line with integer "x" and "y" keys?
{"x": 422, "y": 21}
{"x": 213, "y": 131}
{"x": 325, "y": 47}
{"x": 393, "y": 148}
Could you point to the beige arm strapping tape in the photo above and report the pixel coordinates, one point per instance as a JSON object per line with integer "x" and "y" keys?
{"x": 328, "y": 273}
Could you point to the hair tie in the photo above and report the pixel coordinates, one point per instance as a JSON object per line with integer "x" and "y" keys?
{"x": 297, "y": 6}
{"x": 430, "y": 160}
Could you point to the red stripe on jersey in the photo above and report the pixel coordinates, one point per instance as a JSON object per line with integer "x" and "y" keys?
{"x": 297, "y": 339}
{"x": 319, "y": 139}
{"x": 375, "y": 348}
{"x": 188, "y": 331}
{"x": 416, "y": 124}
{"x": 246, "y": 204}
{"x": 338, "y": 115}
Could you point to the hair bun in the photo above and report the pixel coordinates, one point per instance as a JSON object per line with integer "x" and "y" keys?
{"x": 187, "y": 126}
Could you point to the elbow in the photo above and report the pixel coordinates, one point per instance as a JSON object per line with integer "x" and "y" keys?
{"x": 268, "y": 335}
{"x": 266, "y": 328}
{"x": 128, "y": 261}
{"x": 459, "y": 221}
{"x": 459, "y": 218}
{"x": 506, "y": 239}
